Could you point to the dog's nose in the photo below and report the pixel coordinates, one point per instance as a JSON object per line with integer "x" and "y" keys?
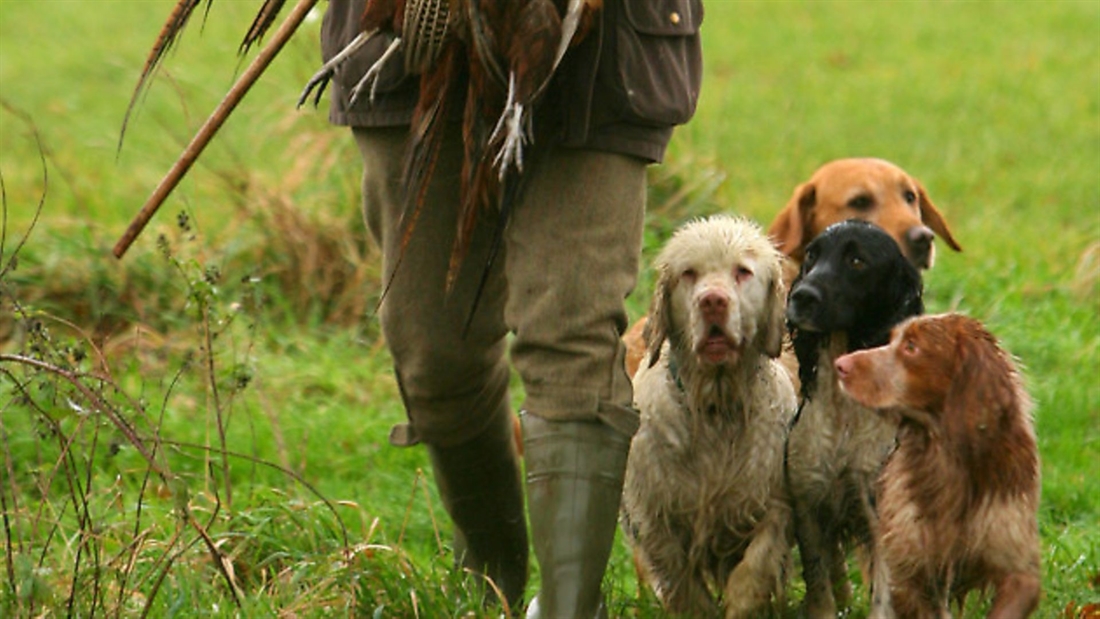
{"x": 920, "y": 240}
{"x": 804, "y": 298}
{"x": 715, "y": 306}
{"x": 843, "y": 366}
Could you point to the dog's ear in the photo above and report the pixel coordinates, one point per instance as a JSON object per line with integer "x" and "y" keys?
{"x": 984, "y": 414}
{"x": 932, "y": 218}
{"x": 788, "y": 229}
{"x": 908, "y": 290}
{"x": 807, "y": 348}
{"x": 776, "y": 326}
{"x": 982, "y": 389}
{"x": 656, "y": 326}
{"x": 899, "y": 294}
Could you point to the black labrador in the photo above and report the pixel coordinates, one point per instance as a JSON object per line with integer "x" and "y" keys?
{"x": 853, "y": 288}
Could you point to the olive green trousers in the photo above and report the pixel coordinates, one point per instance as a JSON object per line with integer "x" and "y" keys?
{"x": 554, "y": 301}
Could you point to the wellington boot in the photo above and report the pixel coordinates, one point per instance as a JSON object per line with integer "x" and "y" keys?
{"x": 574, "y": 481}
{"x": 480, "y": 484}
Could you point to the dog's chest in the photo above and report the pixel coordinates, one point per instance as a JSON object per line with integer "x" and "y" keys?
{"x": 723, "y": 484}
{"x": 934, "y": 522}
{"x": 686, "y": 457}
{"x": 707, "y": 461}
{"x": 833, "y": 433}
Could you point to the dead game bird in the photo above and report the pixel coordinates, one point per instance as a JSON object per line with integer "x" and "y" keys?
{"x": 497, "y": 56}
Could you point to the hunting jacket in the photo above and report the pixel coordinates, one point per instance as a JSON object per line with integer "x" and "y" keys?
{"x": 622, "y": 89}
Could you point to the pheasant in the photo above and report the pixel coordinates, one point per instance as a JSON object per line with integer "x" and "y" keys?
{"x": 501, "y": 54}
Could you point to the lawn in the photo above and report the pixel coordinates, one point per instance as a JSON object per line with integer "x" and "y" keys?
{"x": 201, "y": 426}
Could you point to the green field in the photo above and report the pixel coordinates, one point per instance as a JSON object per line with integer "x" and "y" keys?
{"x": 235, "y": 346}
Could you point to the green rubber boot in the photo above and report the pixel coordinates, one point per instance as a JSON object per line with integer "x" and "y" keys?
{"x": 575, "y": 475}
{"x": 480, "y": 484}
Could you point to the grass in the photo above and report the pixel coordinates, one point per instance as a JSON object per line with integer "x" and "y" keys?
{"x": 248, "y": 331}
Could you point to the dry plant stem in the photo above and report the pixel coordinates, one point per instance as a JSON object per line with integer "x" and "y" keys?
{"x": 130, "y": 554}
{"x": 213, "y": 378}
{"x": 139, "y": 535}
{"x": 78, "y": 495}
{"x": 215, "y": 554}
{"x": 9, "y": 545}
{"x": 87, "y": 533}
{"x": 94, "y": 399}
{"x": 409, "y": 506}
{"x": 213, "y": 123}
{"x": 10, "y": 264}
{"x": 169, "y": 561}
{"x": 431, "y": 514}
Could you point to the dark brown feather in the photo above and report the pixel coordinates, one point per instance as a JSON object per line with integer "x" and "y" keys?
{"x": 167, "y": 37}
{"x": 523, "y": 37}
{"x": 437, "y": 92}
{"x": 480, "y": 186}
{"x": 265, "y": 17}
{"x": 172, "y": 29}
{"x": 382, "y": 15}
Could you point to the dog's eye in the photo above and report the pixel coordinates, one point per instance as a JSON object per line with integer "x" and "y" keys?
{"x": 742, "y": 274}
{"x": 860, "y": 203}
{"x": 689, "y": 275}
{"x": 910, "y": 196}
{"x": 856, "y": 262}
{"x": 909, "y": 347}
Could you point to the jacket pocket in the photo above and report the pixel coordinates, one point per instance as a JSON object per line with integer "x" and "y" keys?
{"x": 658, "y": 62}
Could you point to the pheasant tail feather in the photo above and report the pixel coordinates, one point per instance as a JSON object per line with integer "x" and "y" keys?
{"x": 261, "y": 24}
{"x": 425, "y": 141}
{"x": 167, "y": 37}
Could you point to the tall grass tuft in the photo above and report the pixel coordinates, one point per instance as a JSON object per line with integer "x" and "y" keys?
{"x": 278, "y": 235}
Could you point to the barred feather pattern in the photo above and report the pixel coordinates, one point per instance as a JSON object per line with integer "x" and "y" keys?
{"x": 424, "y": 31}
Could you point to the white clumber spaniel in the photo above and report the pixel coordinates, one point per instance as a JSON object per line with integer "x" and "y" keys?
{"x": 704, "y": 505}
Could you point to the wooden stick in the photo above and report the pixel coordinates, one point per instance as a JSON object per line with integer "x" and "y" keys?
{"x": 212, "y": 124}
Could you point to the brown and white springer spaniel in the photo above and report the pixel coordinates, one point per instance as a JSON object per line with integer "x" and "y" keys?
{"x": 957, "y": 501}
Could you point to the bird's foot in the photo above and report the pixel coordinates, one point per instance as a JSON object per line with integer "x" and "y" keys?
{"x": 371, "y": 76}
{"x": 322, "y": 77}
{"x": 513, "y": 124}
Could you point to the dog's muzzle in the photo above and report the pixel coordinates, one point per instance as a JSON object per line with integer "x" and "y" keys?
{"x": 805, "y": 307}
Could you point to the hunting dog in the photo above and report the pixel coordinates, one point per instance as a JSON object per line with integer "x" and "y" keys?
{"x": 870, "y": 189}
{"x": 704, "y": 503}
{"x": 853, "y": 287}
{"x": 873, "y": 190}
{"x": 958, "y": 499}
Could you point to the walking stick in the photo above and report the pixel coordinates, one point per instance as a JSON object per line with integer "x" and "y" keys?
{"x": 212, "y": 124}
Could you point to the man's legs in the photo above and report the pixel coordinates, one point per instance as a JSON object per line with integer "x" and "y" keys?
{"x": 573, "y": 249}
{"x": 454, "y": 386}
